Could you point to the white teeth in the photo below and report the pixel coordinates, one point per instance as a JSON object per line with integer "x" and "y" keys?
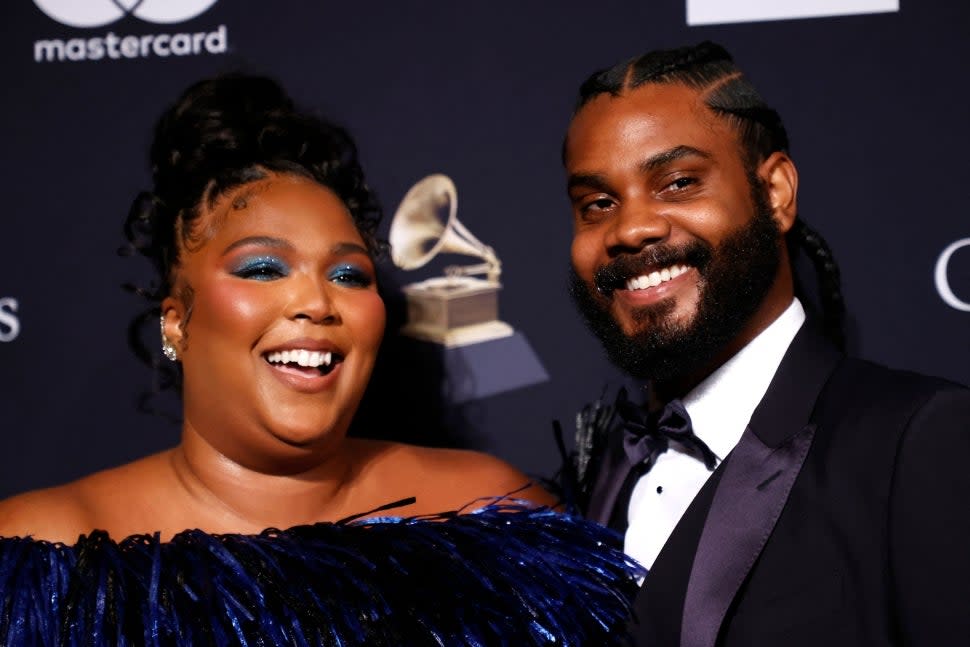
{"x": 302, "y": 357}
{"x": 655, "y": 278}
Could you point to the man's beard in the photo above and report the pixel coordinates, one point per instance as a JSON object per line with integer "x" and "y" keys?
{"x": 734, "y": 280}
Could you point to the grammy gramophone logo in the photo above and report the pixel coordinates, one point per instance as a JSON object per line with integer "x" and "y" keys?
{"x": 461, "y": 307}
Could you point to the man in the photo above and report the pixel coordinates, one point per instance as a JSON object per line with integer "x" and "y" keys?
{"x": 815, "y": 499}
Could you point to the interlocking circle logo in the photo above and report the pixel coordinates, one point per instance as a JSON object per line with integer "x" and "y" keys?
{"x": 95, "y": 13}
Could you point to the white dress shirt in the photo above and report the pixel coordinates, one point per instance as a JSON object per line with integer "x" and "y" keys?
{"x": 720, "y": 408}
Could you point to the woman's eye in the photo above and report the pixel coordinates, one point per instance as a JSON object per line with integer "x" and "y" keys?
{"x": 261, "y": 269}
{"x": 351, "y": 275}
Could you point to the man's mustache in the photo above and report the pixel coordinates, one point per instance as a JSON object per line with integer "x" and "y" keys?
{"x": 614, "y": 275}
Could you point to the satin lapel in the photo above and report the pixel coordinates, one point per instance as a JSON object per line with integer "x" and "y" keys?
{"x": 749, "y": 499}
{"x": 756, "y": 482}
{"x": 609, "y": 481}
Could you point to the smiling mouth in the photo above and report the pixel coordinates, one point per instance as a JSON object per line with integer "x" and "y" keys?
{"x": 306, "y": 362}
{"x": 655, "y": 278}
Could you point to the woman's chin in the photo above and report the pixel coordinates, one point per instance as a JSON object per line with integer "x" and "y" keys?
{"x": 294, "y": 453}
{"x": 306, "y": 439}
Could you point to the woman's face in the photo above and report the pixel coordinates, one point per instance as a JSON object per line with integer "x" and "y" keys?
{"x": 277, "y": 323}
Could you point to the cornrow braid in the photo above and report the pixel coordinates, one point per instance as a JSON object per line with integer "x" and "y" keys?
{"x": 710, "y": 69}
{"x": 827, "y": 276}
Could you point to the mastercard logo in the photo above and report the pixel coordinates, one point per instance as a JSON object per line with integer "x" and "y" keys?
{"x": 97, "y": 13}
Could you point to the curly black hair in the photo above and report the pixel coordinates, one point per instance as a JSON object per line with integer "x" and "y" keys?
{"x": 220, "y": 134}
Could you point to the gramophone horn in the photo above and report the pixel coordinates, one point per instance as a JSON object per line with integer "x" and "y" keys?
{"x": 425, "y": 225}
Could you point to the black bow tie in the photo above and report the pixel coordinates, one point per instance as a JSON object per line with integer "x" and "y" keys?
{"x": 647, "y": 435}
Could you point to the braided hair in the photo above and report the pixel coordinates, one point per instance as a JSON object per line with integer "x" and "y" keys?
{"x": 709, "y": 69}
{"x": 220, "y": 134}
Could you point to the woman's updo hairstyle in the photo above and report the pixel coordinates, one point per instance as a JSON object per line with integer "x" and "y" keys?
{"x": 220, "y": 134}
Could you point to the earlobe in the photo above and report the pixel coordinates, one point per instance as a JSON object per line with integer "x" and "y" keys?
{"x": 780, "y": 178}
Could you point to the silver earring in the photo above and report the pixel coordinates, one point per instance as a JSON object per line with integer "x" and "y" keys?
{"x": 168, "y": 349}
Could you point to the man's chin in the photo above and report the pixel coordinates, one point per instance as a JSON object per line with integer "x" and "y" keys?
{"x": 653, "y": 321}
{"x": 659, "y": 342}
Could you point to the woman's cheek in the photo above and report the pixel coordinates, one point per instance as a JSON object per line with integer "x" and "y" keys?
{"x": 371, "y": 317}
{"x": 234, "y": 302}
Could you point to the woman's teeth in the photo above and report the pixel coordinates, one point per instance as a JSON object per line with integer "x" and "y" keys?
{"x": 302, "y": 357}
{"x": 645, "y": 281}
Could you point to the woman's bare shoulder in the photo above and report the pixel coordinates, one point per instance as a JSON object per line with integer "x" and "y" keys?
{"x": 64, "y": 512}
{"x": 443, "y": 479}
{"x": 52, "y": 514}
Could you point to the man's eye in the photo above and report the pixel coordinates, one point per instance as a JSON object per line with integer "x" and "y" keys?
{"x": 261, "y": 269}
{"x": 351, "y": 275}
{"x": 599, "y": 205}
{"x": 595, "y": 208}
{"x": 682, "y": 183}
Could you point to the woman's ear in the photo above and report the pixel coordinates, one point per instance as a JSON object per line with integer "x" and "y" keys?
{"x": 173, "y": 313}
{"x": 780, "y": 179}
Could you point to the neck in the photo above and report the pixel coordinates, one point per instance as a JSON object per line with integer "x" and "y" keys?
{"x": 227, "y": 496}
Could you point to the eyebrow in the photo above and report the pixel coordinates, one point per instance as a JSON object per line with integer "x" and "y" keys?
{"x": 664, "y": 158}
{"x": 649, "y": 165}
{"x": 343, "y": 249}
{"x": 594, "y": 180}
{"x": 339, "y": 249}
{"x": 259, "y": 241}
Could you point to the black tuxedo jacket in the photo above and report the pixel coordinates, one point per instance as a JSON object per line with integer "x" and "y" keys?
{"x": 842, "y": 517}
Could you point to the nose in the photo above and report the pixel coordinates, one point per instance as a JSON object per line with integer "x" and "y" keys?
{"x": 310, "y": 299}
{"x": 634, "y": 226}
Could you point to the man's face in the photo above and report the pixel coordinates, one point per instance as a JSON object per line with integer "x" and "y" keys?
{"x": 676, "y": 249}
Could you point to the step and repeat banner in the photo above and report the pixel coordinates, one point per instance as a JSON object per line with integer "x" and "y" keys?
{"x": 460, "y": 106}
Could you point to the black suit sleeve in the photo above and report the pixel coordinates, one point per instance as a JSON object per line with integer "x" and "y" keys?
{"x": 929, "y": 523}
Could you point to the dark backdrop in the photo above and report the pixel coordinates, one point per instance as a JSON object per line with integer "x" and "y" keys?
{"x": 875, "y": 105}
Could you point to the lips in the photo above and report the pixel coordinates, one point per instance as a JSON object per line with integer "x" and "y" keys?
{"x": 651, "y": 268}
{"x": 305, "y": 364}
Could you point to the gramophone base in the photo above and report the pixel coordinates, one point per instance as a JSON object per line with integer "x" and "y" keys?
{"x": 460, "y": 336}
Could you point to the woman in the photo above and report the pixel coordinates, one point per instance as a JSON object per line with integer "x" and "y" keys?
{"x": 262, "y": 231}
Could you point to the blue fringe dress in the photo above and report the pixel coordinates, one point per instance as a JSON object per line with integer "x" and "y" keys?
{"x": 500, "y": 575}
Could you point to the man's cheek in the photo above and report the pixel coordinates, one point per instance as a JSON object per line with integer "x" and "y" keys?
{"x": 584, "y": 252}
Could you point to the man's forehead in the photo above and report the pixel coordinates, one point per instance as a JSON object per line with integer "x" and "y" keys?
{"x": 667, "y": 101}
{"x": 664, "y": 115}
